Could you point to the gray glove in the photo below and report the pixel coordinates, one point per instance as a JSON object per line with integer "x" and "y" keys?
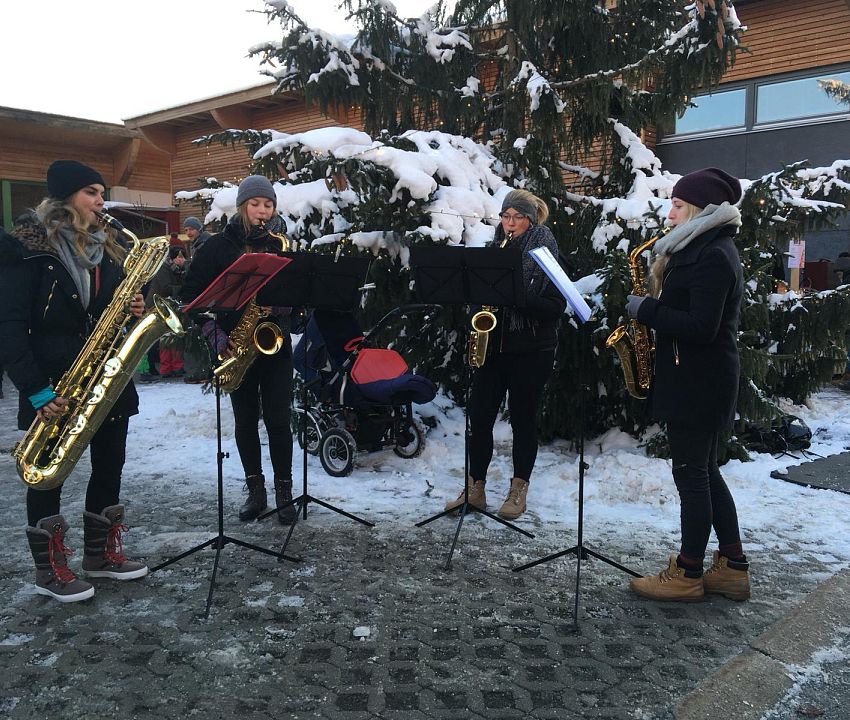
{"x": 633, "y": 305}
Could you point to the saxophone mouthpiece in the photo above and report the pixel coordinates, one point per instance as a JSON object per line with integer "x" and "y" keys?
{"x": 109, "y": 220}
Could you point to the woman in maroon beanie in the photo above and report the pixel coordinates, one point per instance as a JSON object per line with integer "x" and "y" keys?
{"x": 696, "y": 290}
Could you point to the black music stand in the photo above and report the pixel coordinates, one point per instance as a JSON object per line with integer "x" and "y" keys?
{"x": 468, "y": 276}
{"x": 230, "y": 291}
{"x": 318, "y": 282}
{"x": 579, "y": 549}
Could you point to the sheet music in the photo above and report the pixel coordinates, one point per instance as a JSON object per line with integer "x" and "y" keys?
{"x": 544, "y": 258}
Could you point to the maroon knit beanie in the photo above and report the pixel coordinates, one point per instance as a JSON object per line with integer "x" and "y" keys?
{"x": 709, "y": 186}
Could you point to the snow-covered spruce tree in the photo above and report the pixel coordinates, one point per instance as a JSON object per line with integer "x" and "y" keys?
{"x": 539, "y": 82}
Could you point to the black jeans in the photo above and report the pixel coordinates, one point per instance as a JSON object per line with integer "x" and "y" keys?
{"x": 522, "y": 376}
{"x": 269, "y": 378}
{"x": 107, "y": 452}
{"x": 705, "y": 499}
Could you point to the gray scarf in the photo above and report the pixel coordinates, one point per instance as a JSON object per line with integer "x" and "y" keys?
{"x": 534, "y": 278}
{"x": 79, "y": 264}
{"x": 711, "y": 217}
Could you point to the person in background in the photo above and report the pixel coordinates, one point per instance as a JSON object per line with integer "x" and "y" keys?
{"x": 167, "y": 283}
{"x": 58, "y": 272}
{"x": 694, "y": 307}
{"x": 194, "y": 230}
{"x": 521, "y": 353}
{"x": 269, "y": 379}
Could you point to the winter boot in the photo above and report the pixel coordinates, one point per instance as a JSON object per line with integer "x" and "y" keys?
{"x": 477, "y": 496}
{"x": 52, "y": 576}
{"x": 282, "y": 496}
{"x": 257, "y": 499}
{"x": 514, "y": 504}
{"x": 103, "y": 556}
{"x": 670, "y": 584}
{"x": 727, "y": 577}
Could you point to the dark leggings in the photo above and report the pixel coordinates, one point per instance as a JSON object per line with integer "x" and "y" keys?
{"x": 269, "y": 378}
{"x": 107, "y": 452}
{"x": 705, "y": 499}
{"x": 523, "y": 376}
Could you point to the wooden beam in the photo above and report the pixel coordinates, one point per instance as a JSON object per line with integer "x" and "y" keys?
{"x": 232, "y": 117}
{"x": 124, "y": 163}
{"x": 161, "y": 137}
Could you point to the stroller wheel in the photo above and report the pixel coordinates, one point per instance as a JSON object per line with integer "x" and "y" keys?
{"x": 410, "y": 440}
{"x": 314, "y": 433}
{"x": 336, "y": 452}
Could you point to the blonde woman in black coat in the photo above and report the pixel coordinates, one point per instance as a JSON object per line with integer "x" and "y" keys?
{"x": 694, "y": 308}
{"x": 58, "y": 272}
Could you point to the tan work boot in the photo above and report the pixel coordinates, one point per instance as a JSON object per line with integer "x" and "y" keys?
{"x": 669, "y": 584}
{"x": 477, "y": 496}
{"x": 514, "y": 504}
{"x": 728, "y": 578}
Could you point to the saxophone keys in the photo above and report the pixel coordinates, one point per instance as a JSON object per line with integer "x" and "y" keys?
{"x": 112, "y": 367}
{"x": 78, "y": 426}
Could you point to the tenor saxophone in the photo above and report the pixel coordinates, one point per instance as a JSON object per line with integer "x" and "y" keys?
{"x": 50, "y": 449}
{"x": 252, "y": 336}
{"x": 483, "y": 323}
{"x": 632, "y": 342}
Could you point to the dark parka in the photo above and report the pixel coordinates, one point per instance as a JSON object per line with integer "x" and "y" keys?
{"x": 216, "y": 255}
{"x": 43, "y": 325}
{"x": 695, "y": 383}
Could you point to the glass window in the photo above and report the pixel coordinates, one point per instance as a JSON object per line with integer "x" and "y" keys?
{"x": 714, "y": 112}
{"x": 798, "y": 99}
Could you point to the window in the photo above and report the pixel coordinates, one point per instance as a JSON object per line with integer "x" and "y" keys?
{"x": 795, "y": 99}
{"x": 714, "y": 112}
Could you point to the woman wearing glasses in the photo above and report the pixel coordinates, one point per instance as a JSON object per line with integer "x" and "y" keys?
{"x": 521, "y": 352}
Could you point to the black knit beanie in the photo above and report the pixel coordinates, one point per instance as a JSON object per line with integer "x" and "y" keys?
{"x": 710, "y": 186}
{"x": 255, "y": 186}
{"x": 65, "y": 177}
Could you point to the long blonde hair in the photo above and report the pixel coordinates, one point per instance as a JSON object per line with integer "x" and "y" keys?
{"x": 656, "y": 271}
{"x": 530, "y": 197}
{"x": 54, "y": 214}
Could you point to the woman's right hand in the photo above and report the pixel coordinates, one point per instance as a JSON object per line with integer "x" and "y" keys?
{"x": 229, "y": 351}
{"x": 56, "y": 407}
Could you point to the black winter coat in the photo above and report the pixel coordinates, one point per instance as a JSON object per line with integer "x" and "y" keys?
{"x": 43, "y": 325}
{"x": 215, "y": 256}
{"x": 695, "y": 383}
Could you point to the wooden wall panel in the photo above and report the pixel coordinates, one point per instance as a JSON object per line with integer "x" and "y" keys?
{"x": 789, "y": 35}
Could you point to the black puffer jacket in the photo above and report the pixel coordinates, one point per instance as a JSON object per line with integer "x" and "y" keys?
{"x": 215, "y": 256}
{"x": 695, "y": 383}
{"x": 43, "y": 325}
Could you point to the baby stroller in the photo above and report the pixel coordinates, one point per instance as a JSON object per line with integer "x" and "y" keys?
{"x": 362, "y": 394}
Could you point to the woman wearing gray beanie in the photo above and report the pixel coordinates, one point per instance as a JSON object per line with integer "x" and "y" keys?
{"x": 521, "y": 352}
{"x": 268, "y": 382}
{"x": 696, "y": 291}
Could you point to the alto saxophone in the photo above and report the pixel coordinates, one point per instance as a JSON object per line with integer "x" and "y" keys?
{"x": 251, "y": 336}
{"x": 633, "y": 342}
{"x": 483, "y": 323}
{"x": 50, "y": 449}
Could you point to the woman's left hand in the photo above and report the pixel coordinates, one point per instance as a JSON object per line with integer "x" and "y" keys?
{"x": 137, "y": 305}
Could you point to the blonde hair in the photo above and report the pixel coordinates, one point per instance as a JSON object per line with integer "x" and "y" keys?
{"x": 243, "y": 214}
{"x": 530, "y": 197}
{"x": 656, "y": 271}
{"x": 54, "y": 213}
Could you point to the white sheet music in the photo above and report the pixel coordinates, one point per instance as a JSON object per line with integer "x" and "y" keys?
{"x": 544, "y": 258}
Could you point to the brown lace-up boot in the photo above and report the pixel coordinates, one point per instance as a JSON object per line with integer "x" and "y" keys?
{"x": 257, "y": 500}
{"x": 728, "y": 578}
{"x": 514, "y": 504}
{"x": 670, "y": 584}
{"x": 52, "y": 576}
{"x": 103, "y": 557}
{"x": 477, "y": 496}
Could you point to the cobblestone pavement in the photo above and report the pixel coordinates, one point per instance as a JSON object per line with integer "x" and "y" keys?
{"x": 369, "y": 625}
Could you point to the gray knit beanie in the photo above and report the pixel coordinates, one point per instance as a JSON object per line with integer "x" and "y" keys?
{"x": 518, "y": 202}
{"x": 255, "y": 186}
{"x": 194, "y": 223}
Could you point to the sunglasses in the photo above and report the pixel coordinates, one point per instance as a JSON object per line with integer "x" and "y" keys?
{"x": 512, "y": 218}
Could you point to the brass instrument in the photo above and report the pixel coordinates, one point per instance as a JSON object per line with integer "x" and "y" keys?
{"x": 633, "y": 343}
{"x": 48, "y": 452}
{"x": 251, "y": 336}
{"x": 483, "y": 323}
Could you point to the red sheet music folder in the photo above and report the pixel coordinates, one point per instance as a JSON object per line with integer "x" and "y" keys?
{"x": 239, "y": 282}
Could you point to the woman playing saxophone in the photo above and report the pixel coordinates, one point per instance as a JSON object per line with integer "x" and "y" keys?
{"x": 697, "y": 287}
{"x": 267, "y": 382}
{"x": 58, "y": 272}
{"x": 518, "y": 358}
